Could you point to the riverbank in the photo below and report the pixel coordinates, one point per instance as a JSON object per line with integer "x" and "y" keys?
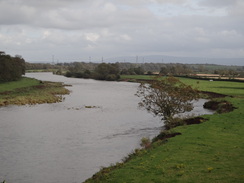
{"x": 31, "y": 91}
{"x": 211, "y": 151}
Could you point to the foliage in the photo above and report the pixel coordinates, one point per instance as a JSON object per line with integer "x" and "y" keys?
{"x": 103, "y": 71}
{"x": 230, "y": 73}
{"x": 145, "y": 142}
{"x": 220, "y": 106}
{"x": 31, "y": 91}
{"x": 133, "y": 71}
{"x": 166, "y": 97}
{"x": 106, "y": 71}
{"x": 11, "y": 68}
{"x": 177, "y": 69}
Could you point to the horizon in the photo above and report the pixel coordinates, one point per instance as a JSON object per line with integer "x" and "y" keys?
{"x": 151, "y": 59}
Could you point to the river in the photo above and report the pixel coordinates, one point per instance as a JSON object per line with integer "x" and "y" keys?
{"x": 67, "y": 142}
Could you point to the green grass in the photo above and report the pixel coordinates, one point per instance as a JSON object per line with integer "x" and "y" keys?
{"x": 30, "y": 91}
{"x": 223, "y": 87}
{"x": 23, "y": 82}
{"x": 208, "y": 152}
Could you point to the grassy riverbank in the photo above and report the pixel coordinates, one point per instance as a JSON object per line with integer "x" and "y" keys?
{"x": 224, "y": 87}
{"x": 30, "y": 91}
{"x": 208, "y": 152}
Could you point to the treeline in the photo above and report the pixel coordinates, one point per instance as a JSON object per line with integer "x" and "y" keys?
{"x": 96, "y": 70}
{"x": 103, "y": 71}
{"x": 11, "y": 68}
{"x": 110, "y": 72}
{"x": 178, "y": 69}
{"x": 41, "y": 66}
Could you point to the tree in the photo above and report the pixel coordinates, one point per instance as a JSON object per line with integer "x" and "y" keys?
{"x": 11, "y": 68}
{"x": 139, "y": 70}
{"x": 166, "y": 97}
{"x": 106, "y": 71}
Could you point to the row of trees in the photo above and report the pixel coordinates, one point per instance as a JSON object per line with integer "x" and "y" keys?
{"x": 103, "y": 71}
{"x": 227, "y": 73}
{"x": 83, "y": 69}
{"x": 133, "y": 71}
{"x": 178, "y": 69}
{"x": 11, "y": 68}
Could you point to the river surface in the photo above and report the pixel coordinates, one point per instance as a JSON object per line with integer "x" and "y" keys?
{"x": 67, "y": 142}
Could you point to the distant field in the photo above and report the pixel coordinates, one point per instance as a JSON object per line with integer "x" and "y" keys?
{"x": 223, "y": 87}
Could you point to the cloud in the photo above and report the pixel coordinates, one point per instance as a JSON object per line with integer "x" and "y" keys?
{"x": 218, "y": 3}
{"x": 82, "y": 28}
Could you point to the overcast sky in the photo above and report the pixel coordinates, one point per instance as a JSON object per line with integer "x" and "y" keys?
{"x": 68, "y": 30}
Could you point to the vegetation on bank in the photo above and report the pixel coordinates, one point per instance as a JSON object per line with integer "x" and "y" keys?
{"x": 223, "y": 87}
{"x": 211, "y": 151}
{"x": 165, "y": 97}
{"x": 87, "y": 70}
{"x": 11, "y": 68}
{"x": 103, "y": 71}
{"x": 30, "y": 91}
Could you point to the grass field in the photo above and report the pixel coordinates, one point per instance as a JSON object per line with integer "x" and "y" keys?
{"x": 24, "y": 82}
{"x": 208, "y": 152}
{"x": 223, "y": 87}
{"x": 30, "y": 91}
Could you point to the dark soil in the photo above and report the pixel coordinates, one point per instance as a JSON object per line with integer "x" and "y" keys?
{"x": 219, "y": 106}
{"x": 214, "y": 95}
{"x": 196, "y": 120}
{"x": 165, "y": 135}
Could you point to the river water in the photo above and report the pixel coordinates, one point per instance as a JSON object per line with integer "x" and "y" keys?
{"x": 67, "y": 142}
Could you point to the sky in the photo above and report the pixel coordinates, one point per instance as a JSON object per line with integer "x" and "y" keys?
{"x": 92, "y": 30}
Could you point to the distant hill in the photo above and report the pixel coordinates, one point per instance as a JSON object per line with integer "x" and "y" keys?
{"x": 171, "y": 59}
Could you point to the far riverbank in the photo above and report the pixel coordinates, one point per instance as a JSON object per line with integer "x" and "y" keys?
{"x": 31, "y": 91}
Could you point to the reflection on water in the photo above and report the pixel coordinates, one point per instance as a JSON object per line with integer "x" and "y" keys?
{"x": 68, "y": 142}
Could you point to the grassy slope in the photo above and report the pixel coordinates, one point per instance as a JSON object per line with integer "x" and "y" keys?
{"x": 30, "y": 91}
{"x": 208, "y": 152}
{"x": 24, "y": 82}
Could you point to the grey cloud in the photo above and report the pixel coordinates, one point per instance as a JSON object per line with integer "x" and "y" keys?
{"x": 218, "y": 3}
{"x": 73, "y": 28}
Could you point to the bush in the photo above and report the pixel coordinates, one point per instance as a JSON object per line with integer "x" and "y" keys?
{"x": 220, "y": 106}
{"x": 173, "y": 122}
{"x": 11, "y": 68}
{"x": 145, "y": 142}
